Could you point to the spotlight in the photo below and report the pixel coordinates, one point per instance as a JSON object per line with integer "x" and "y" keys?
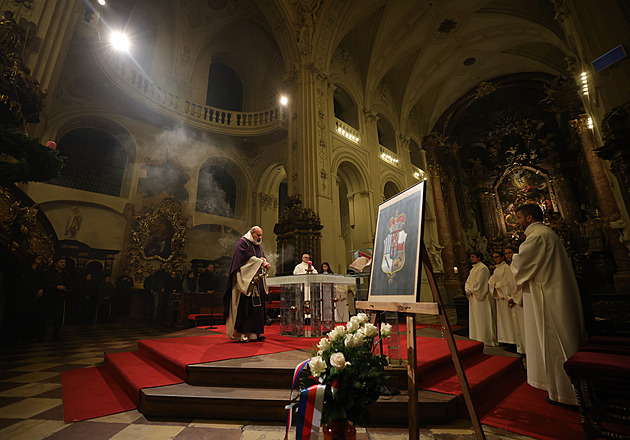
{"x": 101, "y": 2}
{"x": 119, "y": 41}
{"x": 284, "y": 100}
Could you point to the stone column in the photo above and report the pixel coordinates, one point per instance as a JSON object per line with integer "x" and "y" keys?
{"x": 568, "y": 206}
{"x": 430, "y": 144}
{"x": 488, "y": 211}
{"x": 308, "y": 164}
{"x": 457, "y": 231}
{"x": 607, "y": 204}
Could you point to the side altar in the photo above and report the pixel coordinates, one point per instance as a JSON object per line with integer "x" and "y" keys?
{"x": 308, "y": 302}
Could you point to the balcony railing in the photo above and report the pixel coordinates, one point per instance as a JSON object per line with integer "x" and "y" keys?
{"x": 418, "y": 173}
{"x": 346, "y": 131}
{"x": 134, "y": 83}
{"x": 388, "y": 156}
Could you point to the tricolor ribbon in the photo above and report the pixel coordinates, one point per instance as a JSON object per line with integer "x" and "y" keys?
{"x": 309, "y": 407}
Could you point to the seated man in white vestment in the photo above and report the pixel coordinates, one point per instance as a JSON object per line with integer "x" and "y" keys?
{"x": 554, "y": 320}
{"x": 481, "y": 325}
{"x": 303, "y": 267}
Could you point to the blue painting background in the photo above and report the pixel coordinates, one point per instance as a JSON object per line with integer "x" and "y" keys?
{"x": 404, "y": 282}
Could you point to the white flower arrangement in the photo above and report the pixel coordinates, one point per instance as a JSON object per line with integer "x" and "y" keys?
{"x": 352, "y": 373}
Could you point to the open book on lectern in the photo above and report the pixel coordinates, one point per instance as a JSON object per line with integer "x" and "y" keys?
{"x": 397, "y": 259}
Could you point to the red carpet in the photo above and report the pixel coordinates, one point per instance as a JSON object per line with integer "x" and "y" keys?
{"x": 525, "y": 412}
{"x": 114, "y": 387}
{"x": 92, "y": 392}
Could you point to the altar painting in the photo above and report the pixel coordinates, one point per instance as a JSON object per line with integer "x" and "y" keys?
{"x": 520, "y": 186}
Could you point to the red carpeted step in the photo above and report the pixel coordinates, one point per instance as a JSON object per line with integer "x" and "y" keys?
{"x": 490, "y": 378}
{"x": 433, "y": 354}
{"x": 525, "y": 411}
{"x": 92, "y": 392}
{"x": 134, "y": 372}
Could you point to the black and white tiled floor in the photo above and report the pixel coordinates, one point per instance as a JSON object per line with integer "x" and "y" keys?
{"x": 31, "y": 398}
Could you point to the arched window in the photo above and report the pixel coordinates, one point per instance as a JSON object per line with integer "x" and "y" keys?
{"x": 415, "y": 154}
{"x": 225, "y": 88}
{"x": 390, "y": 190}
{"x": 345, "y": 108}
{"x": 386, "y": 134}
{"x": 94, "y": 161}
{"x": 216, "y": 192}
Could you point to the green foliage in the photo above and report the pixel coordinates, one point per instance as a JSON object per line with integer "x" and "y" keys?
{"x": 23, "y": 159}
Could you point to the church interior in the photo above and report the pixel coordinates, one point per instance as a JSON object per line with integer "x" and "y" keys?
{"x": 149, "y": 132}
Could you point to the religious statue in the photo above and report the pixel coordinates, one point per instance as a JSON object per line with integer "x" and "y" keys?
{"x": 435, "y": 256}
{"x": 73, "y": 224}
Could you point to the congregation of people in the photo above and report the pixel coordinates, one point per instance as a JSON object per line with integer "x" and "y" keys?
{"x": 530, "y": 303}
{"x": 47, "y": 297}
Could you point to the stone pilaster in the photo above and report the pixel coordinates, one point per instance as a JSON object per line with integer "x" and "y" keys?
{"x": 608, "y": 208}
{"x": 457, "y": 231}
{"x": 430, "y": 144}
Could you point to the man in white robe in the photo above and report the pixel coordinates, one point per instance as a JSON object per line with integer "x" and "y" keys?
{"x": 554, "y": 320}
{"x": 481, "y": 325}
{"x": 302, "y": 268}
{"x": 515, "y": 302}
{"x": 501, "y": 284}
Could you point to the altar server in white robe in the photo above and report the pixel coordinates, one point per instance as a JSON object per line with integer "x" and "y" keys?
{"x": 500, "y": 284}
{"x": 515, "y": 302}
{"x": 481, "y": 326}
{"x": 554, "y": 320}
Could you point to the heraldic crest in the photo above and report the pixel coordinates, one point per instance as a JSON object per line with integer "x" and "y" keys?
{"x": 394, "y": 255}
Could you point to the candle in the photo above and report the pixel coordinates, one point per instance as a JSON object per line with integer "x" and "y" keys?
{"x": 310, "y": 265}
{"x": 455, "y": 269}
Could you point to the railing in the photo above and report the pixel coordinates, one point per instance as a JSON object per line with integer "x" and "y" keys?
{"x": 388, "y": 156}
{"x": 203, "y": 116}
{"x": 418, "y": 173}
{"x": 346, "y": 131}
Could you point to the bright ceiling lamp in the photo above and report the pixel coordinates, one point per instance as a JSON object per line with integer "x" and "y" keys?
{"x": 119, "y": 41}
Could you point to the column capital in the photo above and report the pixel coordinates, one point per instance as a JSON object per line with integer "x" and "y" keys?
{"x": 433, "y": 141}
{"x": 370, "y": 116}
{"x": 580, "y": 124}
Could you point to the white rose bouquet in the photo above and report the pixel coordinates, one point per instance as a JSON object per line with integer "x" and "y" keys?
{"x": 344, "y": 361}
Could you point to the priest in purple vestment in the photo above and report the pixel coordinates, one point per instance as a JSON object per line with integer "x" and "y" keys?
{"x": 244, "y": 299}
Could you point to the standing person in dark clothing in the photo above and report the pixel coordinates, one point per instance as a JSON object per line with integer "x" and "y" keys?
{"x": 208, "y": 279}
{"x": 122, "y": 295}
{"x": 189, "y": 284}
{"x": 325, "y": 269}
{"x": 105, "y": 297}
{"x": 149, "y": 287}
{"x": 173, "y": 284}
{"x": 159, "y": 287}
{"x": 87, "y": 300}
{"x": 34, "y": 299}
{"x": 56, "y": 282}
{"x": 244, "y": 299}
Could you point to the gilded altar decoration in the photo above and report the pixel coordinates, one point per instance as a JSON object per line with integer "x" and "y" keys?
{"x": 22, "y": 229}
{"x": 159, "y": 235}
{"x": 21, "y": 99}
{"x": 518, "y": 186}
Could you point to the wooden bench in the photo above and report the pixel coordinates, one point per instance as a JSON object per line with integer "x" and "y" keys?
{"x": 600, "y": 374}
{"x": 195, "y": 318}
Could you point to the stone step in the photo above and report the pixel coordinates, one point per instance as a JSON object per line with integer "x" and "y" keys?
{"x": 265, "y": 404}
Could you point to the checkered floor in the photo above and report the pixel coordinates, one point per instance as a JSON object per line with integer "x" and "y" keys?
{"x": 31, "y": 403}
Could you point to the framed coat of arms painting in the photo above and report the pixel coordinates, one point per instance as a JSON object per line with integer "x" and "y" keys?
{"x": 396, "y": 261}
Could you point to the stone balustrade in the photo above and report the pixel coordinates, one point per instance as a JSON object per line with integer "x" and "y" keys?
{"x": 169, "y": 104}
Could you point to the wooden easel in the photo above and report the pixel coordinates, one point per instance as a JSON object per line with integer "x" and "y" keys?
{"x": 426, "y": 308}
